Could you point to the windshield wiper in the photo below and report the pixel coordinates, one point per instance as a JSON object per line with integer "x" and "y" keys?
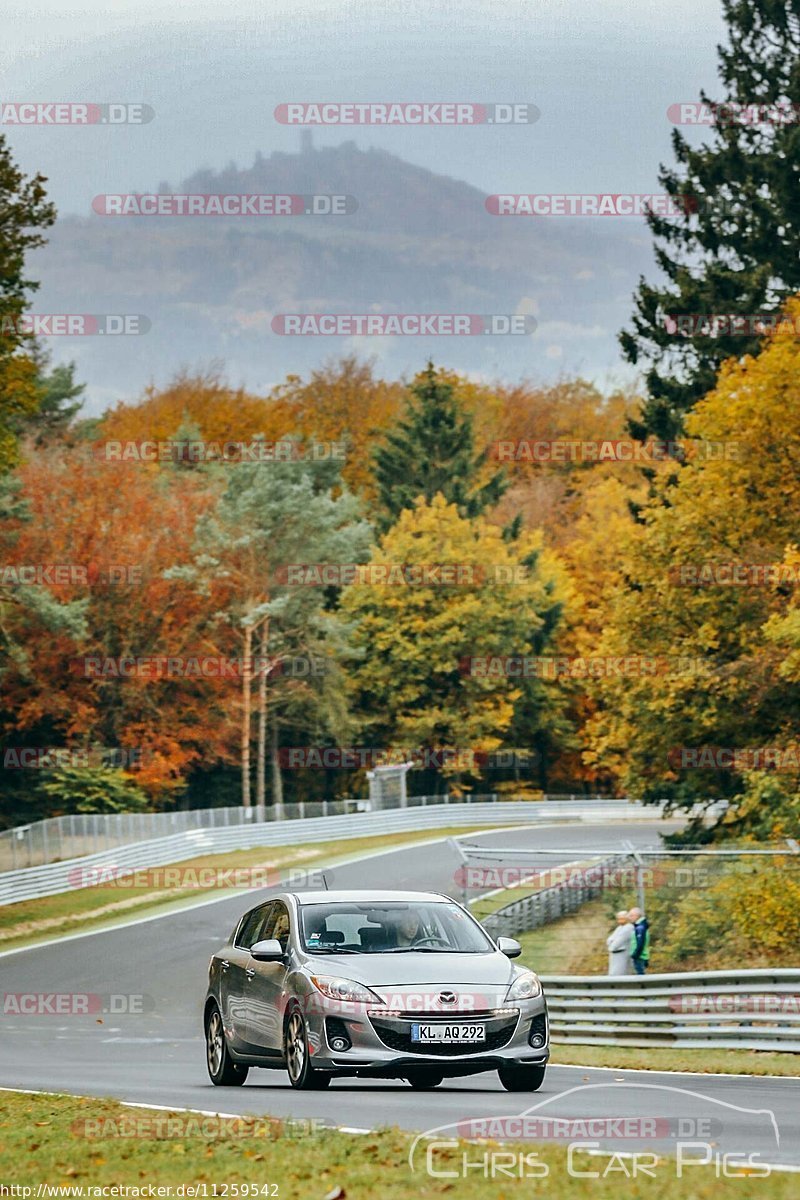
{"x": 416, "y": 950}
{"x": 332, "y": 950}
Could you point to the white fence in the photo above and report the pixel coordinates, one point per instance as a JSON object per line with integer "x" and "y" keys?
{"x": 551, "y": 903}
{"x": 744, "y": 1010}
{"x": 47, "y": 880}
{"x": 76, "y": 834}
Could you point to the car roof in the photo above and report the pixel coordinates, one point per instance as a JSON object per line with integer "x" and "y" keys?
{"x": 366, "y": 896}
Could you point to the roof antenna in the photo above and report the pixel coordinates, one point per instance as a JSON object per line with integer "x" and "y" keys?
{"x": 324, "y": 880}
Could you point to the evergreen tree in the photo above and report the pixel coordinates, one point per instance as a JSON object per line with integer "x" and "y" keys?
{"x": 431, "y": 451}
{"x": 60, "y": 398}
{"x": 270, "y": 516}
{"x": 735, "y": 248}
{"x": 24, "y": 212}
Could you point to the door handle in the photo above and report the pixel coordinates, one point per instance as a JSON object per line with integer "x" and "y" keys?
{"x": 224, "y": 964}
{"x": 250, "y": 973}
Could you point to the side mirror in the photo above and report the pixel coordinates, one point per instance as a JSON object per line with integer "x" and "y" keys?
{"x": 267, "y": 951}
{"x": 509, "y": 946}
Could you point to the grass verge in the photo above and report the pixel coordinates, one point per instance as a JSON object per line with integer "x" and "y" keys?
{"x": 575, "y": 945}
{"x": 664, "y": 1058}
{"x": 79, "y": 1144}
{"x": 111, "y": 902}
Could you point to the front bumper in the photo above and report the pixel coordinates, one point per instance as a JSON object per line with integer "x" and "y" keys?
{"x": 380, "y": 1040}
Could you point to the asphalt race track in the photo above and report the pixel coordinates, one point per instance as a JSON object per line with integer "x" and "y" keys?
{"x": 157, "y": 1056}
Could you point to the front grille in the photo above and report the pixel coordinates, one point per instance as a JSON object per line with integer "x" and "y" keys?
{"x": 396, "y": 1034}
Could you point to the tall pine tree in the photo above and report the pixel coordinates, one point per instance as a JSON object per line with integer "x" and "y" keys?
{"x": 25, "y": 212}
{"x": 736, "y": 247}
{"x": 430, "y": 451}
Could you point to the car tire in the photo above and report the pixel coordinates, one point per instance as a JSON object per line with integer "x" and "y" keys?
{"x": 222, "y": 1070}
{"x": 421, "y": 1081}
{"x": 521, "y": 1079}
{"x": 298, "y": 1060}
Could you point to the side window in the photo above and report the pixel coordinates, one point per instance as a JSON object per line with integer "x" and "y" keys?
{"x": 253, "y": 926}
{"x": 277, "y": 926}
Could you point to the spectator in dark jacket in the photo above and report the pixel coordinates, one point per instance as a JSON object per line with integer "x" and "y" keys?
{"x": 641, "y": 947}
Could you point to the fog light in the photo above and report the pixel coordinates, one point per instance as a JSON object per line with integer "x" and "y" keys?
{"x": 339, "y": 1038}
{"x": 537, "y": 1034}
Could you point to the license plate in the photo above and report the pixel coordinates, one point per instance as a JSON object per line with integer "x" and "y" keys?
{"x": 449, "y": 1034}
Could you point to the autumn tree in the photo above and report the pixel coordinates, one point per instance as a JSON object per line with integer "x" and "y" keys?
{"x": 202, "y": 401}
{"x": 416, "y": 684}
{"x": 678, "y": 600}
{"x": 554, "y": 443}
{"x": 114, "y": 529}
{"x": 270, "y": 517}
{"x": 342, "y": 404}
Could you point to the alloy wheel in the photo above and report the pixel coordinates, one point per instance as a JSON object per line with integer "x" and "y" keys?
{"x": 295, "y": 1046}
{"x": 214, "y": 1044}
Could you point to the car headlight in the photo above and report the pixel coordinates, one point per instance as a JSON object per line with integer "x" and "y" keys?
{"x": 525, "y": 987}
{"x": 346, "y": 990}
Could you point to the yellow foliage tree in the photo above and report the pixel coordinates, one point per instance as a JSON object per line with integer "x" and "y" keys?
{"x": 718, "y": 682}
{"x": 412, "y": 685}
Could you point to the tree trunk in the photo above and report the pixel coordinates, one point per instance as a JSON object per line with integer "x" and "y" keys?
{"x": 263, "y": 674}
{"x": 277, "y": 778}
{"x": 247, "y": 665}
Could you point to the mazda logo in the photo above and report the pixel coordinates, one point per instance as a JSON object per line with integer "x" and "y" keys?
{"x": 447, "y": 997}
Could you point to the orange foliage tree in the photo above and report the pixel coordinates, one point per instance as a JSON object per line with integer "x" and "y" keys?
{"x": 114, "y": 530}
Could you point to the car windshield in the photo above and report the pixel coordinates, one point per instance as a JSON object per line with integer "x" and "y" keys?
{"x": 435, "y": 927}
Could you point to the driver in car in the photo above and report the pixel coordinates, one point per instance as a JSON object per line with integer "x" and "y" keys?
{"x": 409, "y": 928}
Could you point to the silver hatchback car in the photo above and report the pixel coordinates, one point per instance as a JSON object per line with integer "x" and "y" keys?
{"x": 377, "y": 984}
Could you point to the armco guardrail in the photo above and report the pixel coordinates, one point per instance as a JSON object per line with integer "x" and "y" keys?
{"x": 31, "y": 882}
{"x": 551, "y": 903}
{"x": 77, "y": 834}
{"x": 745, "y": 1010}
